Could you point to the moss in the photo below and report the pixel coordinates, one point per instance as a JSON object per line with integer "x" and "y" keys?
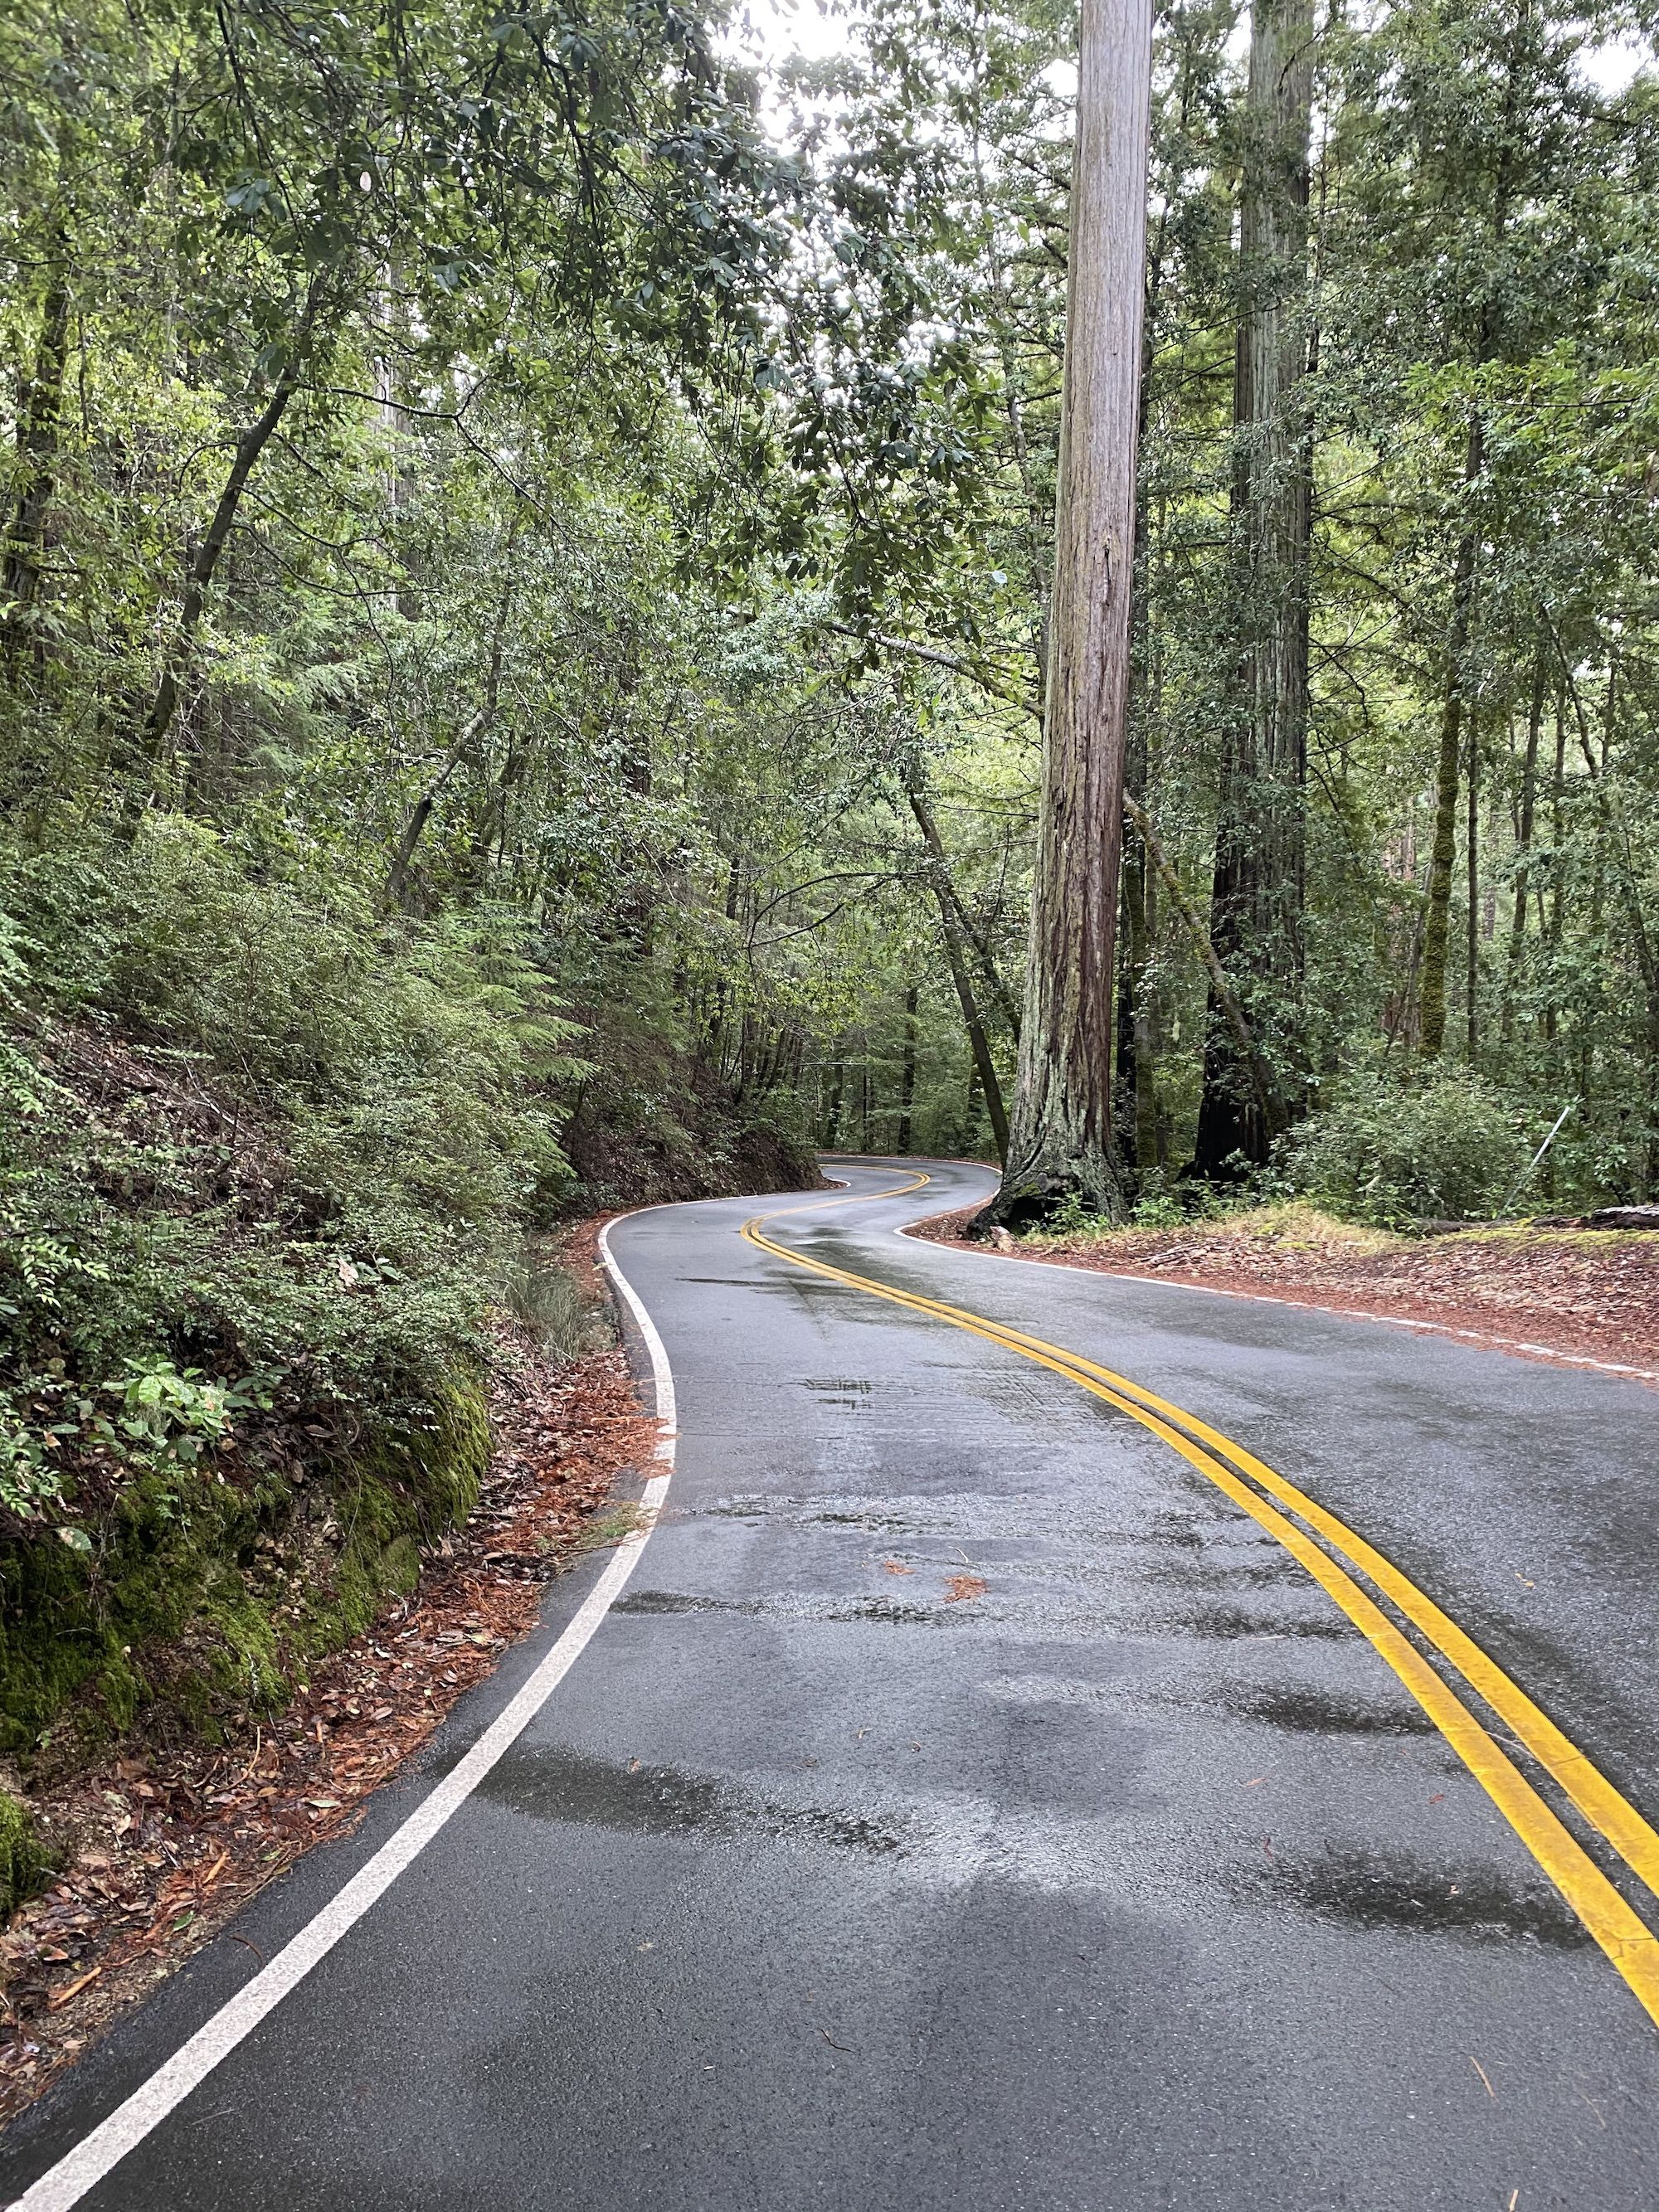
{"x": 200, "y": 1598}
{"x": 25, "y": 1862}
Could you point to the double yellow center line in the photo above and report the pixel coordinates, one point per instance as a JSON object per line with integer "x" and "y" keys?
{"x": 1261, "y": 1491}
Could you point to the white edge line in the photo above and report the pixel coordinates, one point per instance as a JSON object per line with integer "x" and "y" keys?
{"x": 82, "y": 2169}
{"x": 1305, "y": 1305}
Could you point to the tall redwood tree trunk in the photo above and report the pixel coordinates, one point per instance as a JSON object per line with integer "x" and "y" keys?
{"x": 1255, "y": 922}
{"x": 1060, "y": 1141}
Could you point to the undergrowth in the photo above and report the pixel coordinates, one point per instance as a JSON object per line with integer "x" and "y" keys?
{"x": 264, "y": 1158}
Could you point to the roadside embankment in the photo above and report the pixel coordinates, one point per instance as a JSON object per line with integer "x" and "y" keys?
{"x": 154, "y": 1834}
{"x": 1585, "y": 1295}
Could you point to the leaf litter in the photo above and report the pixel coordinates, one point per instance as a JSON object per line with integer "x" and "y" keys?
{"x": 1536, "y": 1288}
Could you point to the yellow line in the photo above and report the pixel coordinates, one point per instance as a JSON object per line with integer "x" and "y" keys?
{"x": 1626, "y": 1939}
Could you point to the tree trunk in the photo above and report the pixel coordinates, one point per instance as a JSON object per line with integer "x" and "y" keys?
{"x": 1524, "y": 846}
{"x": 1256, "y": 902}
{"x": 978, "y": 1044}
{"x": 1472, "y": 857}
{"x": 36, "y": 457}
{"x": 1143, "y": 926}
{"x": 477, "y": 727}
{"x": 249, "y": 446}
{"x": 907, "y": 1077}
{"x": 1436, "y": 932}
{"x": 1552, "y": 927}
{"x": 1061, "y": 1144}
{"x": 1221, "y": 991}
{"x": 1002, "y": 997}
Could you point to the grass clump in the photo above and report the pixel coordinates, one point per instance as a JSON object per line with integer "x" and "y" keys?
{"x": 548, "y": 1302}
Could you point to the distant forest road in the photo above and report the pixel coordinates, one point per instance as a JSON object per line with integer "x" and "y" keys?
{"x": 1067, "y": 1742}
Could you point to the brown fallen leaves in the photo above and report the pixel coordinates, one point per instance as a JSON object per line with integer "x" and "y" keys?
{"x": 172, "y": 1843}
{"x": 960, "y": 1589}
{"x": 1579, "y": 1293}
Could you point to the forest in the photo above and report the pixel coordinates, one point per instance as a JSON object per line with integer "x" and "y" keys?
{"x": 528, "y": 556}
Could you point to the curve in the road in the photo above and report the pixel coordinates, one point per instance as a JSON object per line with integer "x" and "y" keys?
{"x": 1628, "y": 1942}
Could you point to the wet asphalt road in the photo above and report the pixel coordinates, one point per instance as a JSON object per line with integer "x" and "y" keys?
{"x": 1136, "y": 1882}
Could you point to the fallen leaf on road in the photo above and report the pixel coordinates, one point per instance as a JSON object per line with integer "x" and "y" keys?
{"x": 895, "y": 1567}
{"x": 959, "y": 1588}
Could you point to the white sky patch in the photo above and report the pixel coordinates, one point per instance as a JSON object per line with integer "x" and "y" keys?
{"x": 775, "y": 32}
{"x": 1611, "y": 68}
{"x": 771, "y": 35}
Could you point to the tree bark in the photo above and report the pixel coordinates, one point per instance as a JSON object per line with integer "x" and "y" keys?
{"x": 1060, "y": 1143}
{"x": 1437, "y": 931}
{"x": 978, "y": 1044}
{"x": 1472, "y": 872}
{"x": 1523, "y": 848}
{"x": 1220, "y": 989}
{"x": 1550, "y": 928}
{"x": 1142, "y": 908}
{"x": 920, "y": 807}
{"x": 1256, "y": 900}
{"x": 907, "y": 1074}
{"x": 36, "y": 457}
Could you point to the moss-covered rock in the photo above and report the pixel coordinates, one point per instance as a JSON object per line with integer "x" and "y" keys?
{"x": 25, "y": 1863}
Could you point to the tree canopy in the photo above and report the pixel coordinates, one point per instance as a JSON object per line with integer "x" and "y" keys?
{"x": 528, "y": 543}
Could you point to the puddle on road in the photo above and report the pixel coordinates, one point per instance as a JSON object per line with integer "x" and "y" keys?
{"x": 1299, "y": 1709}
{"x": 1369, "y": 1891}
{"x": 556, "y": 1784}
{"x": 1229, "y": 1624}
{"x": 1063, "y": 1616}
{"x": 885, "y": 1610}
{"x": 1273, "y": 1573}
{"x": 1319, "y": 1712}
{"x": 878, "y": 1520}
{"x": 849, "y": 1395}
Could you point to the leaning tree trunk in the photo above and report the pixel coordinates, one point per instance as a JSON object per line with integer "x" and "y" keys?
{"x": 1255, "y": 922}
{"x": 1060, "y": 1140}
{"x": 250, "y": 444}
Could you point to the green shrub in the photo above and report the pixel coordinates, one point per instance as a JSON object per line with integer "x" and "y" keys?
{"x": 1447, "y": 1147}
{"x": 262, "y": 1151}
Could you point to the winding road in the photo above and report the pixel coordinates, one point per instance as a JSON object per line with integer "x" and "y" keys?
{"x": 1065, "y": 1742}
